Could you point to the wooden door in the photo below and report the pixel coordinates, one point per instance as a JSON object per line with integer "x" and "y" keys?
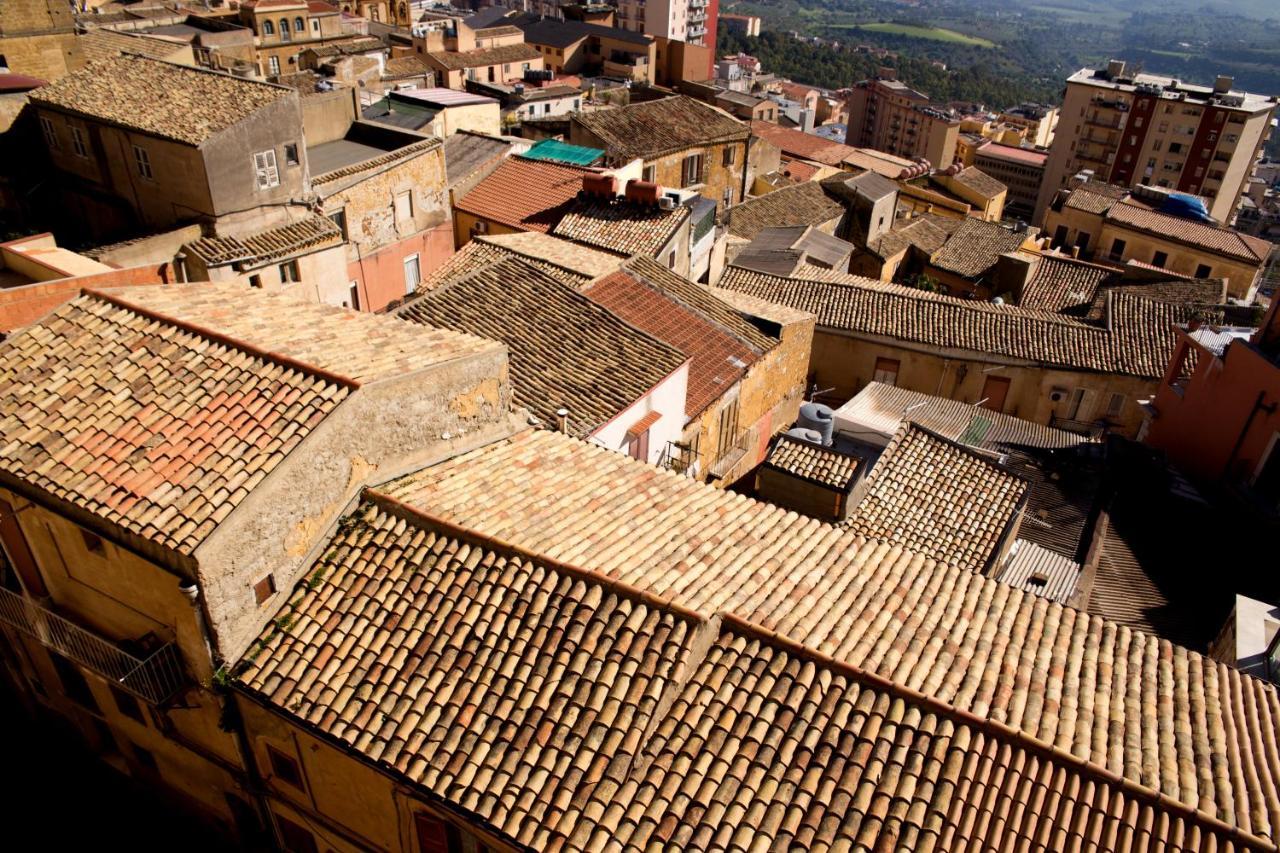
{"x": 994, "y": 393}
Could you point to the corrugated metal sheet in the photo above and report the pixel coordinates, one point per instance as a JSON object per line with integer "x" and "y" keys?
{"x": 1040, "y": 571}
{"x": 563, "y": 152}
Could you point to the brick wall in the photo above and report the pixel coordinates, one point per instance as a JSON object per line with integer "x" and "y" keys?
{"x": 20, "y": 306}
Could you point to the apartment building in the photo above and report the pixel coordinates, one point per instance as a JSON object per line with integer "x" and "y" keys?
{"x": 1021, "y": 170}
{"x": 1037, "y": 123}
{"x": 888, "y": 115}
{"x": 1132, "y": 128}
{"x": 285, "y": 28}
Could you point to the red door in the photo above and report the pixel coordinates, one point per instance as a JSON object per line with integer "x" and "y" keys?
{"x": 994, "y": 393}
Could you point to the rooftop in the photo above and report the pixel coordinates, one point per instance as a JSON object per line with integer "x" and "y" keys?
{"x": 814, "y": 462}
{"x": 1137, "y": 340}
{"x": 565, "y": 348}
{"x": 466, "y": 152}
{"x": 782, "y": 251}
{"x": 562, "y": 152}
{"x": 170, "y": 101}
{"x": 653, "y": 128}
{"x": 530, "y": 195}
{"x": 500, "y": 55}
{"x": 1060, "y": 283}
{"x": 975, "y": 247}
{"x": 1014, "y": 153}
{"x": 806, "y": 146}
{"x": 979, "y": 182}
{"x": 619, "y": 225}
{"x": 310, "y": 234}
{"x": 544, "y": 250}
{"x": 802, "y": 204}
{"x": 97, "y": 45}
{"x": 557, "y": 33}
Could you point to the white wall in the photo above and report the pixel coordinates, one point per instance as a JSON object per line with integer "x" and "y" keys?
{"x": 667, "y": 398}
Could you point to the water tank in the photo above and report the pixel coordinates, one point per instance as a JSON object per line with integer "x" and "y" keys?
{"x": 818, "y": 417}
{"x": 810, "y": 435}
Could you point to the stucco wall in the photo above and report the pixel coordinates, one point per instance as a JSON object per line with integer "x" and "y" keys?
{"x": 229, "y": 158}
{"x": 667, "y": 398}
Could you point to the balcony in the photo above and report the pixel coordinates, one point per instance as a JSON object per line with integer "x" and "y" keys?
{"x": 154, "y": 677}
{"x": 1092, "y": 429}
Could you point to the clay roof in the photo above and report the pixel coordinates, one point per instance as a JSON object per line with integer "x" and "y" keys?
{"x": 920, "y": 232}
{"x": 405, "y": 66}
{"x": 530, "y": 195}
{"x": 465, "y": 152}
{"x": 975, "y": 246}
{"x": 566, "y": 350}
{"x": 480, "y": 254}
{"x": 717, "y": 359}
{"x": 938, "y": 498}
{"x": 1094, "y": 197}
{"x": 171, "y": 101}
{"x": 806, "y": 146}
{"x": 546, "y": 252}
{"x": 1059, "y": 283}
{"x": 1060, "y": 693}
{"x": 621, "y": 226}
{"x": 885, "y": 407}
{"x": 1138, "y": 341}
{"x": 500, "y": 55}
{"x": 651, "y": 129}
{"x": 305, "y": 235}
{"x": 802, "y": 204}
{"x": 980, "y": 182}
{"x": 1213, "y": 238}
{"x": 814, "y": 462}
{"x": 106, "y": 44}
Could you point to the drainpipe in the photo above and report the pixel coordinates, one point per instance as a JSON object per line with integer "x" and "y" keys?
{"x": 229, "y": 718}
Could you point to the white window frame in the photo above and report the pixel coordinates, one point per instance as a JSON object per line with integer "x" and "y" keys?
{"x": 266, "y": 171}
{"x": 142, "y": 160}
{"x": 273, "y": 65}
{"x": 411, "y": 282}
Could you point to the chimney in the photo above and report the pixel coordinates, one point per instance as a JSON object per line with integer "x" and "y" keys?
{"x": 1222, "y": 85}
{"x": 1115, "y": 69}
{"x": 562, "y": 420}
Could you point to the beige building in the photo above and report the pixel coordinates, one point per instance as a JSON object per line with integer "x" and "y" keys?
{"x": 1130, "y": 128}
{"x": 682, "y": 143}
{"x": 37, "y": 36}
{"x": 285, "y": 28}
{"x": 1038, "y": 123}
{"x": 573, "y": 47}
{"x": 1108, "y": 223}
{"x": 888, "y": 115}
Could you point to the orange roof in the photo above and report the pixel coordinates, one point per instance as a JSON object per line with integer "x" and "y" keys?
{"x": 526, "y": 194}
{"x": 796, "y": 143}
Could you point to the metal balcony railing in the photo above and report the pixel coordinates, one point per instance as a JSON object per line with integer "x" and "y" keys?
{"x": 154, "y": 678}
{"x": 1091, "y": 429}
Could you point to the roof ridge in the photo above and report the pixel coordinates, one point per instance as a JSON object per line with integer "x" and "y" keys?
{"x": 415, "y": 514}
{"x": 223, "y": 338}
{"x": 996, "y": 728}
{"x": 648, "y": 281}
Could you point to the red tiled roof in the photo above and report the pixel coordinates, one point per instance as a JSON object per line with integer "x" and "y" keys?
{"x": 718, "y": 359}
{"x": 1214, "y": 238}
{"x": 527, "y": 194}
{"x": 642, "y": 425}
{"x": 1013, "y": 152}
{"x": 804, "y": 145}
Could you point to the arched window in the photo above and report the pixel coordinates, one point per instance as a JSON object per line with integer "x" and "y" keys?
{"x": 299, "y": 25}
{"x": 268, "y": 29}
{"x": 284, "y": 29}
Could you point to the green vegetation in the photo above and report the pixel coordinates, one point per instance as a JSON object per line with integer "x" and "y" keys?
{"x": 921, "y": 32}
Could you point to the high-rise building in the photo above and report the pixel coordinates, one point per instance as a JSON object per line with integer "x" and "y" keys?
{"x": 888, "y": 115}
{"x": 1130, "y": 128}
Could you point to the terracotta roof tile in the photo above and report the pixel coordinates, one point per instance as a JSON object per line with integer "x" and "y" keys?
{"x": 566, "y": 262}
{"x": 500, "y": 55}
{"x": 975, "y": 247}
{"x": 802, "y": 204}
{"x": 107, "y": 44}
{"x": 566, "y": 350}
{"x": 1213, "y": 238}
{"x": 530, "y": 195}
{"x": 980, "y": 182}
{"x": 814, "y": 462}
{"x": 273, "y": 244}
{"x": 653, "y": 128}
{"x": 170, "y": 101}
{"x": 806, "y": 146}
{"x": 1061, "y": 283}
{"x": 621, "y": 226}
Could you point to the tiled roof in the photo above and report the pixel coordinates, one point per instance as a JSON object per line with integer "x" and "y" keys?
{"x": 348, "y": 47}
{"x": 802, "y": 204}
{"x": 1189, "y": 294}
{"x": 355, "y": 344}
{"x": 980, "y": 182}
{"x": 1138, "y": 342}
{"x": 938, "y": 498}
{"x": 314, "y": 232}
{"x": 500, "y": 55}
{"x": 170, "y": 101}
{"x": 106, "y": 44}
{"x": 481, "y": 254}
{"x": 531, "y": 680}
{"x": 621, "y": 226}
{"x": 1214, "y": 238}
{"x": 1041, "y": 572}
{"x": 1095, "y": 197}
{"x": 717, "y": 360}
{"x": 405, "y": 66}
{"x": 551, "y": 253}
{"x": 1082, "y": 694}
{"x": 884, "y": 408}
{"x": 1060, "y": 283}
{"x": 919, "y": 232}
{"x": 653, "y": 128}
{"x": 530, "y": 195}
{"x": 566, "y": 350}
{"x": 814, "y": 462}
{"x": 556, "y": 33}
{"x": 157, "y": 428}
{"x": 806, "y": 146}
{"x": 975, "y": 246}
{"x": 466, "y": 152}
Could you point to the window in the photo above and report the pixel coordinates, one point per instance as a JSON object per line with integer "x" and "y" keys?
{"x": 127, "y": 704}
{"x": 1082, "y": 241}
{"x": 285, "y": 768}
{"x": 650, "y": 174}
{"x": 74, "y": 684}
{"x": 1204, "y": 271}
{"x": 299, "y": 25}
{"x": 289, "y": 273}
{"x": 354, "y": 296}
{"x": 671, "y": 260}
{"x": 339, "y": 218}
{"x": 255, "y": 281}
{"x": 638, "y": 446}
{"x": 143, "y": 161}
{"x": 404, "y": 206}
{"x": 264, "y": 166}
{"x": 50, "y": 135}
{"x": 291, "y": 154}
{"x": 1115, "y": 405}
{"x": 93, "y": 543}
{"x": 995, "y": 390}
{"x": 1175, "y": 147}
{"x": 887, "y": 371}
{"x": 726, "y": 198}
{"x": 727, "y": 431}
{"x": 265, "y": 588}
{"x": 78, "y": 142}
{"x": 315, "y": 25}
{"x": 1073, "y": 409}
{"x": 284, "y": 29}
{"x": 729, "y": 155}
{"x": 295, "y": 838}
{"x": 1159, "y": 259}
{"x": 412, "y": 274}
{"x": 1117, "y": 249}
{"x": 436, "y": 836}
{"x": 691, "y": 170}
{"x": 268, "y": 29}
{"x": 273, "y": 64}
